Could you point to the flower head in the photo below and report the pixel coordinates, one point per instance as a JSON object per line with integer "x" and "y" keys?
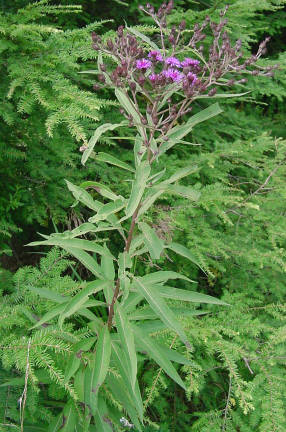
{"x": 173, "y": 61}
{"x": 173, "y": 74}
{"x": 192, "y": 78}
{"x": 190, "y": 62}
{"x": 153, "y": 77}
{"x": 155, "y": 55}
{"x": 143, "y": 64}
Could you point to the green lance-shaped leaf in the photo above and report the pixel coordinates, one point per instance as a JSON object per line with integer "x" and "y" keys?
{"x": 183, "y": 251}
{"x": 99, "y": 131}
{"x": 119, "y": 391}
{"x": 112, "y": 160}
{"x": 154, "y": 244}
{"x": 138, "y": 187}
{"x": 145, "y": 343}
{"x": 80, "y": 299}
{"x": 122, "y": 366}
{"x": 75, "y": 359}
{"x": 139, "y": 150}
{"x": 129, "y": 106}
{"x": 101, "y": 417}
{"x": 79, "y": 382}
{"x": 74, "y": 243}
{"x": 56, "y": 424}
{"x": 82, "y": 229}
{"x": 143, "y": 37}
{"x": 160, "y": 308}
{"x": 188, "y": 296}
{"x": 50, "y": 315}
{"x": 127, "y": 342}
{"x": 69, "y": 417}
{"x": 178, "y": 132}
{"x": 50, "y": 295}
{"x": 101, "y": 189}
{"x": 108, "y": 272}
{"x": 184, "y": 191}
{"x": 108, "y": 210}
{"x": 222, "y": 95}
{"x": 87, "y": 260}
{"x": 102, "y": 359}
{"x": 83, "y": 196}
{"x": 163, "y": 276}
{"x": 97, "y": 371}
{"x": 148, "y": 314}
{"x": 181, "y": 173}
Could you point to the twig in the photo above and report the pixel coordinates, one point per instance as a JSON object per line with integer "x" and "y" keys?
{"x": 23, "y": 398}
{"x": 223, "y": 428}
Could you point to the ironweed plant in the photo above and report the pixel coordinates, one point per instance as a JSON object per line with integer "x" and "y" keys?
{"x": 156, "y": 82}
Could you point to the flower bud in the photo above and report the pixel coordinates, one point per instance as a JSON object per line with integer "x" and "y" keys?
{"x": 212, "y": 92}
{"x": 132, "y": 86}
{"x": 120, "y": 31}
{"x": 182, "y": 25}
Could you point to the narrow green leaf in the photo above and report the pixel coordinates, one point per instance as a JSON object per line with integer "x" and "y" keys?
{"x": 127, "y": 341}
{"x": 154, "y": 244}
{"x": 163, "y": 276}
{"x": 160, "y": 308}
{"x": 122, "y": 366}
{"x": 80, "y": 299}
{"x": 112, "y": 160}
{"x": 83, "y": 196}
{"x": 101, "y": 189}
{"x": 69, "y": 416}
{"x": 181, "y": 173}
{"x": 183, "y": 251}
{"x": 138, "y": 187}
{"x": 74, "y": 243}
{"x": 178, "y": 132}
{"x": 56, "y": 424}
{"x": 50, "y": 315}
{"x": 129, "y": 106}
{"x": 50, "y": 295}
{"x": 145, "y": 343}
{"x": 184, "y": 191}
{"x": 87, "y": 260}
{"x": 107, "y": 210}
{"x": 143, "y": 37}
{"x": 101, "y": 416}
{"x": 148, "y": 314}
{"x": 101, "y": 360}
{"x": 99, "y": 131}
{"x": 189, "y": 296}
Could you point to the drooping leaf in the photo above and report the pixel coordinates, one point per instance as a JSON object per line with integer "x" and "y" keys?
{"x": 107, "y": 210}
{"x": 101, "y": 417}
{"x": 143, "y": 37}
{"x": 87, "y": 260}
{"x": 189, "y": 296}
{"x": 154, "y": 244}
{"x": 159, "y": 306}
{"x": 99, "y": 131}
{"x": 129, "y": 106}
{"x": 83, "y": 196}
{"x": 138, "y": 187}
{"x": 134, "y": 391}
{"x": 163, "y": 276}
{"x": 146, "y": 343}
{"x": 184, "y": 191}
{"x": 99, "y": 366}
{"x": 148, "y": 314}
{"x": 112, "y": 160}
{"x": 127, "y": 341}
{"x": 178, "y": 132}
{"x": 183, "y": 251}
{"x": 80, "y": 299}
{"x": 50, "y": 295}
{"x": 101, "y": 189}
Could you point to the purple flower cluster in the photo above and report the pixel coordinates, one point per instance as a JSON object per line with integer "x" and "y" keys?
{"x": 155, "y": 56}
{"x": 171, "y": 73}
{"x": 143, "y": 64}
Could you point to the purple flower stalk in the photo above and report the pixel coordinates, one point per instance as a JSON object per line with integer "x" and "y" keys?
{"x": 143, "y": 64}
{"x": 155, "y": 55}
{"x": 173, "y": 61}
{"x": 173, "y": 74}
{"x": 190, "y": 62}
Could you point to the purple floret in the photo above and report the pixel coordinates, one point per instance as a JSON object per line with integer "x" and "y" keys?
{"x": 153, "y": 77}
{"x": 173, "y": 74}
{"x": 192, "y": 78}
{"x": 173, "y": 61}
{"x": 143, "y": 64}
{"x": 155, "y": 55}
{"x": 190, "y": 62}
